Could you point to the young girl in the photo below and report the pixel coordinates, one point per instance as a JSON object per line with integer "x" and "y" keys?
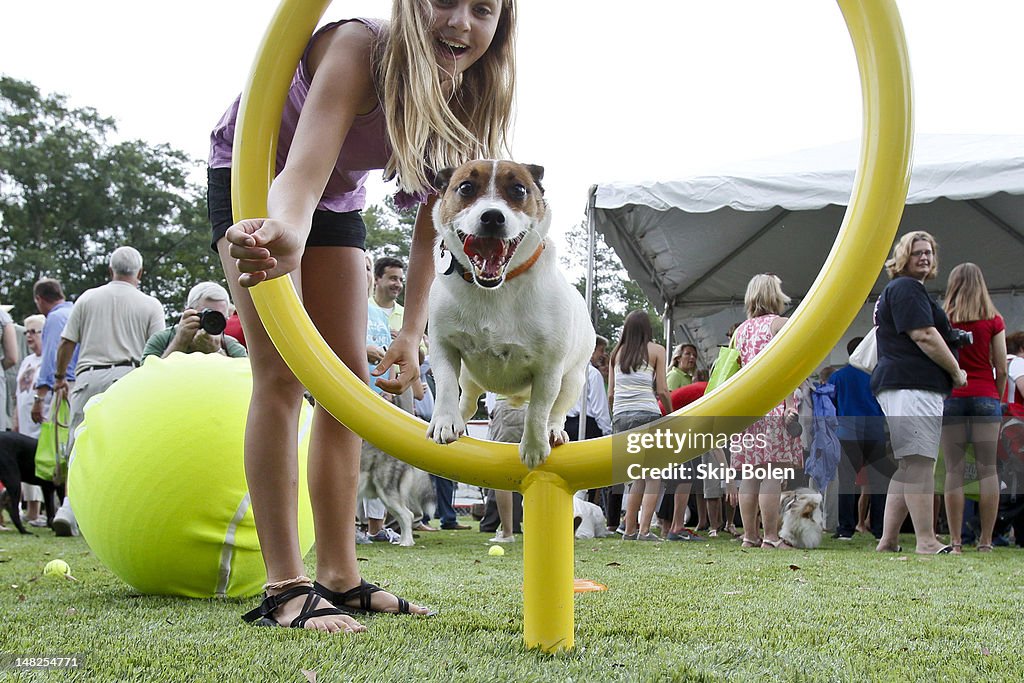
{"x": 972, "y": 414}
{"x": 431, "y": 89}
{"x": 636, "y": 383}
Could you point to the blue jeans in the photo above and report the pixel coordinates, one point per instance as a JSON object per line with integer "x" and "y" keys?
{"x": 445, "y": 489}
{"x": 981, "y": 408}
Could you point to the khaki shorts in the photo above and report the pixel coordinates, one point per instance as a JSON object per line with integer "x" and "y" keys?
{"x": 507, "y": 423}
{"x": 914, "y": 417}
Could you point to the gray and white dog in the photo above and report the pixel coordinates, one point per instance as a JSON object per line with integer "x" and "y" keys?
{"x": 407, "y": 492}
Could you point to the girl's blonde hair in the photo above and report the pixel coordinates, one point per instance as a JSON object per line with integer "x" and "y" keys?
{"x": 764, "y": 296}
{"x": 429, "y": 130}
{"x": 967, "y": 296}
{"x": 895, "y": 266}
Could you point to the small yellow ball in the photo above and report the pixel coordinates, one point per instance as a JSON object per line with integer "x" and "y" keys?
{"x": 56, "y": 568}
{"x": 496, "y": 551}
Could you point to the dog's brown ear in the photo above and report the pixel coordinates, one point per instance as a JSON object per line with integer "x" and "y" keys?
{"x": 808, "y": 512}
{"x": 442, "y": 178}
{"x": 538, "y": 174}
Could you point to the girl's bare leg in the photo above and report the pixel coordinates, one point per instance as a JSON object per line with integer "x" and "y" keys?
{"x": 954, "y": 439}
{"x": 985, "y": 436}
{"x": 271, "y": 457}
{"x": 335, "y": 296}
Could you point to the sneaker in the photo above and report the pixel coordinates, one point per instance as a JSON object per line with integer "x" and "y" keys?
{"x": 684, "y": 535}
{"x": 37, "y": 522}
{"x": 621, "y": 529}
{"x": 648, "y": 537}
{"x": 630, "y": 537}
{"x": 386, "y": 535}
{"x": 842, "y": 537}
{"x": 455, "y": 527}
{"x": 362, "y": 538}
{"x": 498, "y": 538}
{"x": 64, "y": 523}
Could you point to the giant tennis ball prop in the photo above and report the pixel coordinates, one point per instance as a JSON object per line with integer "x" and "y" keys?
{"x": 157, "y": 481}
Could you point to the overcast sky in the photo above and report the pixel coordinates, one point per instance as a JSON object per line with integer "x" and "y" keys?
{"x": 639, "y": 90}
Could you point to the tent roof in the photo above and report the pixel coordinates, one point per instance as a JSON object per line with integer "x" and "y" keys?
{"x": 694, "y": 243}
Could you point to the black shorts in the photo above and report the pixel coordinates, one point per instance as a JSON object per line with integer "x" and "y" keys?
{"x": 329, "y": 229}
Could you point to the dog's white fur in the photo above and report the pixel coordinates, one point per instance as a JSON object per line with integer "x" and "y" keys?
{"x": 528, "y": 337}
{"x": 407, "y": 492}
{"x": 802, "y": 521}
{"x": 592, "y": 521}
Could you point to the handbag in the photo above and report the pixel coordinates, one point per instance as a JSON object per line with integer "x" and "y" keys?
{"x": 52, "y": 449}
{"x": 865, "y": 356}
{"x": 726, "y": 365}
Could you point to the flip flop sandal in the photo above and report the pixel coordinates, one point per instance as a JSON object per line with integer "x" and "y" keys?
{"x": 362, "y": 592}
{"x": 261, "y": 616}
{"x": 781, "y": 544}
{"x": 985, "y": 548}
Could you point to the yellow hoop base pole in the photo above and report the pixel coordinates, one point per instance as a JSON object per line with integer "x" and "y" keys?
{"x": 548, "y": 622}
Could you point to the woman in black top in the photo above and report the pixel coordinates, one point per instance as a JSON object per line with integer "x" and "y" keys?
{"x": 916, "y": 371}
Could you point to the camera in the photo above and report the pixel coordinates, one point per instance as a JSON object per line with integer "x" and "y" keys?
{"x": 212, "y": 322}
{"x": 960, "y": 338}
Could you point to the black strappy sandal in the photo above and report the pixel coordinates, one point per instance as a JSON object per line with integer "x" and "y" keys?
{"x": 261, "y": 616}
{"x": 362, "y": 592}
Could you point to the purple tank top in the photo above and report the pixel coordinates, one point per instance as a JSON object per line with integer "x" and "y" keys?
{"x": 366, "y": 146}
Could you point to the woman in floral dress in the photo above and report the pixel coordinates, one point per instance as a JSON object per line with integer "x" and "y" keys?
{"x": 769, "y": 445}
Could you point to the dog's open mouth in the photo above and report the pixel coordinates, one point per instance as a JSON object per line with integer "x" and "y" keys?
{"x": 489, "y": 256}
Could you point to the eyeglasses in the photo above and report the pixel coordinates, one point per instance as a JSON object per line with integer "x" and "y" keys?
{"x": 922, "y": 252}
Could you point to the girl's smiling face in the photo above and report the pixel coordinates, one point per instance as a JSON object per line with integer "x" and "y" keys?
{"x": 463, "y": 30}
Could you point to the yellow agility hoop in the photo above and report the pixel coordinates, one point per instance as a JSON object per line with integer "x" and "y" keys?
{"x": 832, "y": 302}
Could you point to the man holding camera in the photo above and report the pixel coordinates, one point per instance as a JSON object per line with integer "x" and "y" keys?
{"x": 109, "y": 325}
{"x": 201, "y": 328}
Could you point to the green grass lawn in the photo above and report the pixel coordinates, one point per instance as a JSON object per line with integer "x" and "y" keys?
{"x": 672, "y": 612}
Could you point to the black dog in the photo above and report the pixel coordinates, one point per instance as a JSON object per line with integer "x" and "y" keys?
{"x": 18, "y": 464}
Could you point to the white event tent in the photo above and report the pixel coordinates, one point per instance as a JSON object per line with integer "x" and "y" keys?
{"x": 693, "y": 244}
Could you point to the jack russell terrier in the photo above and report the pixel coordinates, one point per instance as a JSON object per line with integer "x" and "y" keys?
{"x": 503, "y": 318}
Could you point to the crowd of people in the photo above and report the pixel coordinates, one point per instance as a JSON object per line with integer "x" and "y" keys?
{"x": 946, "y": 385}
{"x": 69, "y": 352}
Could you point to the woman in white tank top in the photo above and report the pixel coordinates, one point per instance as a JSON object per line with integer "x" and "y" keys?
{"x": 636, "y": 383}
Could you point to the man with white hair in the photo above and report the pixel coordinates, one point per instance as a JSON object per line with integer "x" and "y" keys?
{"x": 201, "y": 328}
{"x": 109, "y": 325}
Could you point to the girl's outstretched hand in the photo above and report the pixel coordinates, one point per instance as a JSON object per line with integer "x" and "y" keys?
{"x": 264, "y": 249}
{"x": 403, "y": 352}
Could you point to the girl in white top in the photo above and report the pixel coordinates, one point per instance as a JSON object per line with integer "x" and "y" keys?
{"x": 635, "y": 385}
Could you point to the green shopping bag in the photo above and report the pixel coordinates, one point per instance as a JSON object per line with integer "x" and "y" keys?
{"x": 727, "y": 365}
{"x": 52, "y": 449}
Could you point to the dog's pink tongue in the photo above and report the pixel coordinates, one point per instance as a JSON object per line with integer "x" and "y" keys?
{"x": 487, "y": 252}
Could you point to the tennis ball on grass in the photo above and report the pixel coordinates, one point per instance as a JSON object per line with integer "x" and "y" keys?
{"x": 56, "y": 568}
{"x": 157, "y": 480}
{"x": 496, "y": 551}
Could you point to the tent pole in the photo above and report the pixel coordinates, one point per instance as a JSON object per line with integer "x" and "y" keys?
{"x": 667, "y": 319}
{"x": 589, "y": 297}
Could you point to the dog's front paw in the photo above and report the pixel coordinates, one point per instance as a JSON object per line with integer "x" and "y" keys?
{"x": 444, "y": 429}
{"x": 558, "y": 436}
{"x": 533, "y": 454}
